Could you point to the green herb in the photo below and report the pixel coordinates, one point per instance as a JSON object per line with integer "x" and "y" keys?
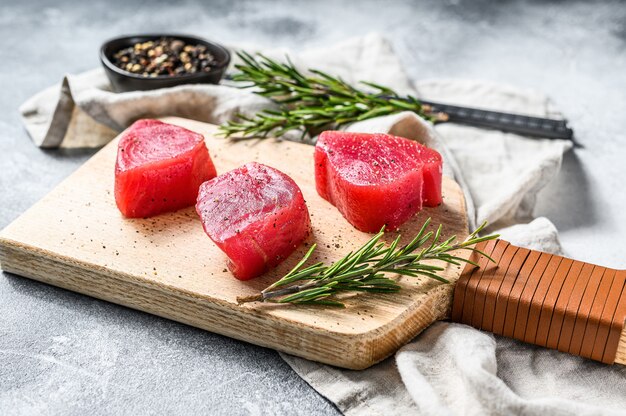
{"x": 311, "y": 103}
{"x": 368, "y": 268}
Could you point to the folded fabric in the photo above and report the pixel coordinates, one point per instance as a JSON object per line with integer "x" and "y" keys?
{"x": 450, "y": 368}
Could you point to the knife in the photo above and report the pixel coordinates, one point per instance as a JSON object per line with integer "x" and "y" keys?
{"x": 508, "y": 122}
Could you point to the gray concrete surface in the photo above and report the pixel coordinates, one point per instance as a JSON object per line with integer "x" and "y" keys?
{"x": 62, "y": 353}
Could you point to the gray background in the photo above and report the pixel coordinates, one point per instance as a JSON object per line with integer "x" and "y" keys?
{"x": 63, "y": 353}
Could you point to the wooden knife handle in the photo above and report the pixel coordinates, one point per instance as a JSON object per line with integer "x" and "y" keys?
{"x": 545, "y": 299}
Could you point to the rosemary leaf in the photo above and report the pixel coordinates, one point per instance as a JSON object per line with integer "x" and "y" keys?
{"x": 310, "y": 101}
{"x": 369, "y": 268}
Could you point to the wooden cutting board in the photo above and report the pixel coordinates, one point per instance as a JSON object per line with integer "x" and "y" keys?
{"x": 76, "y": 238}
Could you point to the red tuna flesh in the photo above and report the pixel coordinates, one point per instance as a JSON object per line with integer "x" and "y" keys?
{"x": 376, "y": 179}
{"x": 256, "y": 215}
{"x": 159, "y": 168}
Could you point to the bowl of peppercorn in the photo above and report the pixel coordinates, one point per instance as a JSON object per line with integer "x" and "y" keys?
{"x": 147, "y": 62}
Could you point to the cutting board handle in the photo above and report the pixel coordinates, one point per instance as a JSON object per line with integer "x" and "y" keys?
{"x": 544, "y": 299}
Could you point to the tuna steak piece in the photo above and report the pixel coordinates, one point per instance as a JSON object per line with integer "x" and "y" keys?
{"x": 376, "y": 179}
{"x": 256, "y": 215}
{"x": 159, "y": 168}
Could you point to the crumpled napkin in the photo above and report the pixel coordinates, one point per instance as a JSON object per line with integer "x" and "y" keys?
{"x": 449, "y": 368}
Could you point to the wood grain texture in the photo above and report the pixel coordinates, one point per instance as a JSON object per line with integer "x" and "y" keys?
{"x": 76, "y": 238}
{"x": 544, "y": 299}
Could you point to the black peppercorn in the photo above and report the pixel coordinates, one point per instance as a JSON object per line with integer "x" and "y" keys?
{"x": 164, "y": 57}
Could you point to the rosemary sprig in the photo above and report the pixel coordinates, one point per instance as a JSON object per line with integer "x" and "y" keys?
{"x": 313, "y": 102}
{"x": 367, "y": 269}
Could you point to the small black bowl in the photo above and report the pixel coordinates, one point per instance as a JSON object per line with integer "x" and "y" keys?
{"x": 122, "y": 80}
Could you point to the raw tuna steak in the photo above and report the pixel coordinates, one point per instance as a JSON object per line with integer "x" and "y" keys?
{"x": 376, "y": 179}
{"x": 256, "y": 215}
{"x": 159, "y": 168}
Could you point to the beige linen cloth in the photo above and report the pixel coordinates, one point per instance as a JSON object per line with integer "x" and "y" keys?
{"x": 450, "y": 369}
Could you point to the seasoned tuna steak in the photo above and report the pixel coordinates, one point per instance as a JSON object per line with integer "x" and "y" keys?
{"x": 256, "y": 215}
{"x": 376, "y": 179}
{"x": 159, "y": 168}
